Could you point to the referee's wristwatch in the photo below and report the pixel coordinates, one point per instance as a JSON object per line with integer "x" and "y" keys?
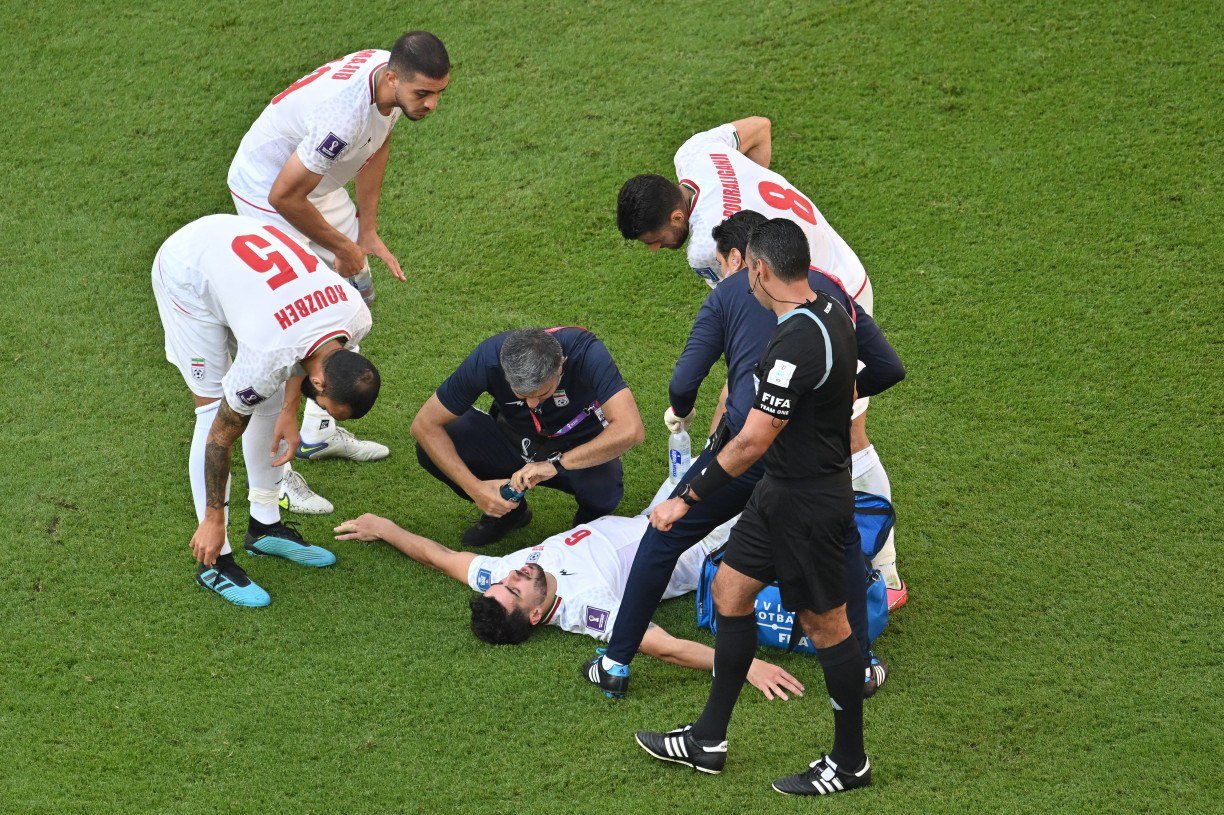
{"x": 555, "y": 460}
{"x": 688, "y": 496}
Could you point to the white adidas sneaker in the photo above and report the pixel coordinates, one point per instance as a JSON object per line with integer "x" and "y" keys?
{"x": 343, "y": 444}
{"x": 297, "y": 496}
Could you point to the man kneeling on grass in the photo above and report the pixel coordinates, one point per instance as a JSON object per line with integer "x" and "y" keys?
{"x": 573, "y": 580}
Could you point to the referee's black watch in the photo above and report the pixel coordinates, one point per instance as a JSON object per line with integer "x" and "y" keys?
{"x": 555, "y": 460}
{"x": 688, "y": 496}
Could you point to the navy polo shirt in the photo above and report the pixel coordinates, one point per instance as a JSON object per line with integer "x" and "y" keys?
{"x": 732, "y": 323}
{"x": 589, "y": 378}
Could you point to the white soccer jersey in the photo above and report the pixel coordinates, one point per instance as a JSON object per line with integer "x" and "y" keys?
{"x": 725, "y": 181}
{"x": 327, "y": 117}
{"x": 278, "y": 300}
{"x": 591, "y": 563}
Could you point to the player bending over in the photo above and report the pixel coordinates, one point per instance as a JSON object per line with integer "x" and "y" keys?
{"x": 573, "y": 580}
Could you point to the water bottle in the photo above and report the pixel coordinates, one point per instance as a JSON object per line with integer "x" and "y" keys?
{"x": 679, "y": 454}
{"x": 363, "y": 282}
{"x": 509, "y": 493}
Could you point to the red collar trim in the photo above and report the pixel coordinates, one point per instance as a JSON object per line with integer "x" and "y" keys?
{"x": 552, "y": 612}
{"x": 325, "y": 338}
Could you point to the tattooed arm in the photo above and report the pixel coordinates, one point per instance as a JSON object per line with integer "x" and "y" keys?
{"x": 226, "y": 429}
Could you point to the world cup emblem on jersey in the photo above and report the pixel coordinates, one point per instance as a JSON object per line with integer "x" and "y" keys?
{"x": 332, "y": 146}
{"x": 197, "y": 369}
{"x": 560, "y": 398}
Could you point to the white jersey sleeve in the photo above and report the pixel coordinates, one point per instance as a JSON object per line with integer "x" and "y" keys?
{"x": 484, "y": 571}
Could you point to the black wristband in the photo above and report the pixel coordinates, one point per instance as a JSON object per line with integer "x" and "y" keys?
{"x": 710, "y": 480}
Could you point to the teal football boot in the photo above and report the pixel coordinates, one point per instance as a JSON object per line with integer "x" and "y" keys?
{"x": 283, "y": 540}
{"x": 227, "y": 579}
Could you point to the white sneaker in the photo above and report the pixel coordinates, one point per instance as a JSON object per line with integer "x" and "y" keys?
{"x": 297, "y": 496}
{"x": 343, "y": 444}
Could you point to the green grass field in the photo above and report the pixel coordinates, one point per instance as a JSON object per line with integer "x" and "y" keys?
{"x": 1036, "y": 191}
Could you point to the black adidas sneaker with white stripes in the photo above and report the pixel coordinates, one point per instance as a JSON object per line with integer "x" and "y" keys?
{"x": 680, "y": 747}
{"x": 823, "y": 777}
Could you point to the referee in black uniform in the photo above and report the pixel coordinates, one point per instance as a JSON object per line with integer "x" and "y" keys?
{"x": 797, "y": 522}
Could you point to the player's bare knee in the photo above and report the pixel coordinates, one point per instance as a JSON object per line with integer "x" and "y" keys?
{"x": 858, "y": 434}
{"x": 825, "y": 629}
{"x": 204, "y": 401}
{"x": 734, "y": 593}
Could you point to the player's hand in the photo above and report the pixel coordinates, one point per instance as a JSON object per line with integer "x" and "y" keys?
{"x": 667, "y": 513}
{"x": 532, "y": 474}
{"x": 371, "y": 244}
{"x": 773, "y": 681}
{"x": 207, "y": 541}
{"x": 369, "y": 527}
{"x": 350, "y": 260}
{"x": 678, "y": 424}
{"x": 488, "y": 497}
{"x": 285, "y": 431}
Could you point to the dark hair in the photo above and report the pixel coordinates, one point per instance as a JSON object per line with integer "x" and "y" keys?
{"x": 645, "y": 203}
{"x": 733, "y": 233}
{"x": 419, "y": 52}
{"x": 781, "y": 244}
{"x": 529, "y": 357}
{"x": 351, "y": 379}
{"x": 491, "y": 622}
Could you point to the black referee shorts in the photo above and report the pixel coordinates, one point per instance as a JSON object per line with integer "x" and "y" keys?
{"x": 794, "y": 531}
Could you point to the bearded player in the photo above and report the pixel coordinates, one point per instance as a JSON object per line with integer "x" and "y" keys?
{"x": 723, "y": 171}
{"x": 331, "y": 127}
{"x": 253, "y": 320}
{"x": 573, "y": 581}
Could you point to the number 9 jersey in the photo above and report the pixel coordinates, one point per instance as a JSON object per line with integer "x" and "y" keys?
{"x": 724, "y": 181}
{"x": 230, "y": 286}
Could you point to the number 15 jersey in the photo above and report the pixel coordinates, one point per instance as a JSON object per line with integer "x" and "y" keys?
{"x": 725, "y": 181}
{"x": 279, "y": 301}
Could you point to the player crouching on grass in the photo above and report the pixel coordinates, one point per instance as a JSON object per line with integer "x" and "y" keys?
{"x": 574, "y": 581}
{"x": 229, "y": 280}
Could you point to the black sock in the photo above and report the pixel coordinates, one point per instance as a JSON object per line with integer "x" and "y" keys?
{"x": 843, "y": 674}
{"x": 734, "y": 648}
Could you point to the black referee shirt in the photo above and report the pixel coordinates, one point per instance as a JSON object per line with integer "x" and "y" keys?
{"x": 807, "y": 377}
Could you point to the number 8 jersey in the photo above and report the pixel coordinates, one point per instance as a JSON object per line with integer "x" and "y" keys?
{"x": 724, "y": 181}
{"x": 278, "y": 301}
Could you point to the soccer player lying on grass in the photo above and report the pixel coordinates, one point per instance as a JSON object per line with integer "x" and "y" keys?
{"x": 573, "y": 580}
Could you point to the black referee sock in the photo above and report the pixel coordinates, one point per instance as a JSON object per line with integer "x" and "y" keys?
{"x": 843, "y": 674}
{"x": 734, "y": 648}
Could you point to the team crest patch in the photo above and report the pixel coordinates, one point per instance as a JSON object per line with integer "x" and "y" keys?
{"x": 781, "y": 373}
{"x": 331, "y": 147}
{"x": 249, "y": 397}
{"x": 596, "y": 619}
{"x": 483, "y": 579}
{"x": 561, "y": 398}
{"x": 197, "y": 369}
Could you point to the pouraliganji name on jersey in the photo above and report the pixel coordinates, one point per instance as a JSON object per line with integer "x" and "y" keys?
{"x": 316, "y": 301}
{"x": 732, "y": 202}
{"x": 350, "y": 68}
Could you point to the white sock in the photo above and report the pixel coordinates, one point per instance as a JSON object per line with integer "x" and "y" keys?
{"x": 263, "y": 480}
{"x": 317, "y": 423}
{"x": 608, "y": 663}
{"x": 195, "y": 466}
{"x": 869, "y": 476}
